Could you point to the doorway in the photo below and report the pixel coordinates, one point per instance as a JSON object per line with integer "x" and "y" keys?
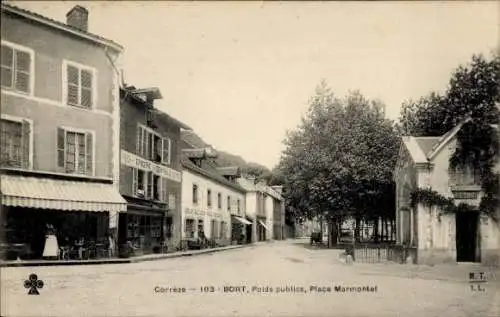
{"x": 467, "y": 237}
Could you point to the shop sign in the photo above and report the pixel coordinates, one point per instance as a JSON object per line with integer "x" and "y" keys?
{"x": 132, "y": 160}
{"x": 190, "y": 211}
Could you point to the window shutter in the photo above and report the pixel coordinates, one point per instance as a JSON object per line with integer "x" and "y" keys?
{"x": 73, "y": 78}
{"x": 149, "y": 188}
{"x": 23, "y": 61}
{"x": 139, "y": 140}
{"x": 26, "y": 131}
{"x": 86, "y": 89}
{"x": 164, "y": 189}
{"x": 89, "y": 153}
{"x": 134, "y": 181}
{"x": 7, "y": 61}
{"x": 166, "y": 150}
{"x": 61, "y": 141}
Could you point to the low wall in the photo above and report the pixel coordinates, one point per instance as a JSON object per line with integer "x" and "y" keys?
{"x": 380, "y": 253}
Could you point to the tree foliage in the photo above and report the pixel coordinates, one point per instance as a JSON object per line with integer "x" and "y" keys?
{"x": 473, "y": 92}
{"x": 341, "y": 157}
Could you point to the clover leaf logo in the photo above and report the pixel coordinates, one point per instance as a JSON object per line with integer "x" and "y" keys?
{"x": 33, "y": 284}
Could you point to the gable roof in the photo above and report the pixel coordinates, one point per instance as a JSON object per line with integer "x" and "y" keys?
{"x": 427, "y": 143}
{"x": 60, "y": 26}
{"x": 191, "y": 138}
{"x": 424, "y": 149}
{"x": 211, "y": 173}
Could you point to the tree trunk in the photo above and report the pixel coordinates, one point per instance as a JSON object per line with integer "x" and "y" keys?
{"x": 375, "y": 230}
{"x": 386, "y": 229}
{"x": 356, "y": 228}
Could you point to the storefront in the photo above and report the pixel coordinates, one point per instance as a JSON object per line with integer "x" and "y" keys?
{"x": 75, "y": 213}
{"x": 145, "y": 227}
{"x": 262, "y": 229}
{"x": 241, "y": 230}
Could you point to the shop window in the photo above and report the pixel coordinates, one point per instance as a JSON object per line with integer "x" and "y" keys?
{"x": 15, "y": 143}
{"x": 219, "y": 200}
{"x": 169, "y": 224}
{"x": 189, "y": 228}
{"x": 209, "y": 198}
{"x": 195, "y": 194}
{"x": 201, "y": 227}
{"x": 75, "y": 151}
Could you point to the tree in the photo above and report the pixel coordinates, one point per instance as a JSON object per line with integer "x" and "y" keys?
{"x": 340, "y": 159}
{"x": 473, "y": 92}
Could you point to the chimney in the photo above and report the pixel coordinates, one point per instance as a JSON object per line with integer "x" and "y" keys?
{"x": 78, "y": 17}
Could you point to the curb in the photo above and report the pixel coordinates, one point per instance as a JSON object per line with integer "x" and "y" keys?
{"x": 121, "y": 261}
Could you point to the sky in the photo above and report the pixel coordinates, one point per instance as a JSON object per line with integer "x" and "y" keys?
{"x": 241, "y": 73}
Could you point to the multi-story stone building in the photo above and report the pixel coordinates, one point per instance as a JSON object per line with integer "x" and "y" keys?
{"x": 150, "y": 173}
{"x": 59, "y": 122}
{"x": 470, "y": 236}
{"x": 213, "y": 204}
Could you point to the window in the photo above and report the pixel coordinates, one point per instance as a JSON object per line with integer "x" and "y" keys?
{"x": 153, "y": 146}
{"x": 148, "y": 185}
{"x": 201, "y": 228}
{"x": 79, "y": 84}
{"x": 195, "y": 194}
{"x": 169, "y": 227}
{"x": 228, "y": 203}
{"x": 209, "y": 198}
{"x": 17, "y": 68}
{"x": 157, "y": 187}
{"x": 189, "y": 228}
{"x": 75, "y": 151}
{"x": 219, "y": 200}
{"x": 239, "y": 206}
{"x": 16, "y": 143}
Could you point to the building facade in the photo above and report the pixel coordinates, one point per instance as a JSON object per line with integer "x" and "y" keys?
{"x": 423, "y": 163}
{"x": 212, "y": 204}
{"x": 150, "y": 174}
{"x": 59, "y": 96}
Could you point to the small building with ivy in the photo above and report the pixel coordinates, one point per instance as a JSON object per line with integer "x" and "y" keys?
{"x": 446, "y": 206}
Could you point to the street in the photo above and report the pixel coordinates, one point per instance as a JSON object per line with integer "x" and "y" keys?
{"x": 183, "y": 287}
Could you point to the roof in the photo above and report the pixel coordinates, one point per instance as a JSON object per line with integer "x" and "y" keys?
{"x": 152, "y": 92}
{"x": 229, "y": 170}
{"x": 427, "y": 143}
{"x": 60, "y": 26}
{"x": 162, "y": 115}
{"x": 211, "y": 173}
{"x": 191, "y": 138}
{"x": 424, "y": 149}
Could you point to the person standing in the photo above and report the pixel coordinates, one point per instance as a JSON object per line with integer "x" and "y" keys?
{"x": 51, "y": 248}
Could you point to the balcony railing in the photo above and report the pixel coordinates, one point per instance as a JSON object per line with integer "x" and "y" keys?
{"x": 465, "y": 178}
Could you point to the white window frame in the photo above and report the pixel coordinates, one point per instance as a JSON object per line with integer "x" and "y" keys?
{"x": 140, "y": 143}
{"x": 31, "y": 52}
{"x": 209, "y": 198}
{"x": 94, "y": 141}
{"x": 80, "y": 67}
{"x": 198, "y": 198}
{"x": 20, "y": 120}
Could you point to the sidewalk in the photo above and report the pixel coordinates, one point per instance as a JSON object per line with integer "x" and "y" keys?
{"x": 142, "y": 258}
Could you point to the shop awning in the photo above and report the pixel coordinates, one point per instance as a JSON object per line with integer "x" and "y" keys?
{"x": 242, "y": 220}
{"x": 47, "y": 193}
{"x": 264, "y": 225}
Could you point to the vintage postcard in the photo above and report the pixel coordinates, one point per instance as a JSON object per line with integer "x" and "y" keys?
{"x": 250, "y": 158}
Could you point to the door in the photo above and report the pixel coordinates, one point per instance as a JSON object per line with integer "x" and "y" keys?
{"x": 467, "y": 236}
